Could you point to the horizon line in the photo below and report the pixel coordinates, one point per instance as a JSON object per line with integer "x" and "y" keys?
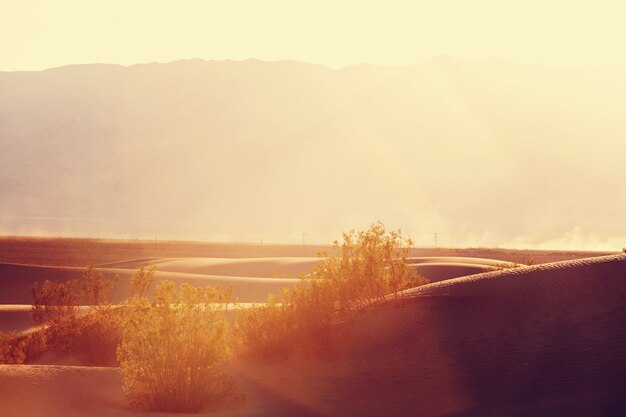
{"x": 278, "y": 243}
{"x": 295, "y": 61}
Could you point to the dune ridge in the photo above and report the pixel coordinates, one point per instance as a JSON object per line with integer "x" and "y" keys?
{"x": 612, "y": 265}
{"x": 244, "y": 267}
{"x": 457, "y": 260}
{"x": 17, "y": 280}
{"x": 544, "y": 340}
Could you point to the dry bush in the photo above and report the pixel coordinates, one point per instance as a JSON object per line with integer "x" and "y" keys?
{"x": 367, "y": 267}
{"x": 18, "y": 348}
{"x": 142, "y": 280}
{"x": 36, "y": 344}
{"x": 55, "y": 307}
{"x": 99, "y": 334}
{"x": 91, "y": 335}
{"x": 266, "y": 328}
{"x": 173, "y": 347}
{"x": 13, "y": 348}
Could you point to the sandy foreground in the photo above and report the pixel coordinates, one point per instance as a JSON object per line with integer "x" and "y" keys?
{"x": 545, "y": 340}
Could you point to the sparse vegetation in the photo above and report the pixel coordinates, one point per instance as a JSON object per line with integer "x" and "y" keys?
{"x": 510, "y": 265}
{"x": 171, "y": 343}
{"x": 173, "y": 346}
{"x": 367, "y": 267}
{"x": 16, "y": 348}
{"x": 13, "y": 348}
{"x": 91, "y": 333}
{"x": 505, "y": 265}
{"x": 265, "y": 328}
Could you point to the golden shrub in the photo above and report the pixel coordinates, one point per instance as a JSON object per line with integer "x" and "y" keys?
{"x": 367, "y": 267}
{"x": 91, "y": 334}
{"x": 13, "y": 348}
{"x": 173, "y": 347}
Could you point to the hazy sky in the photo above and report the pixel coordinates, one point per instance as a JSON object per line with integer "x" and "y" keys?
{"x": 564, "y": 33}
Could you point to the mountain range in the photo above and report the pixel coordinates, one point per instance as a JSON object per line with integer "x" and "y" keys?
{"x": 483, "y": 153}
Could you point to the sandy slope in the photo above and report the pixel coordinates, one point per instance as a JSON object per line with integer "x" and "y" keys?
{"x": 440, "y": 271}
{"x": 541, "y": 341}
{"x": 58, "y": 391}
{"x": 252, "y": 278}
{"x": 242, "y": 267}
{"x": 456, "y": 260}
{"x": 15, "y": 317}
{"x": 433, "y": 268}
{"x": 545, "y": 340}
{"x": 16, "y": 282}
{"x": 66, "y": 391}
{"x": 441, "y": 268}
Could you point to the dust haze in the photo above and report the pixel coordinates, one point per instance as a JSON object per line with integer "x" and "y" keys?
{"x": 481, "y": 152}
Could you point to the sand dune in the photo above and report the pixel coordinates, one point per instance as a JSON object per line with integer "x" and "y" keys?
{"x": 242, "y": 267}
{"x": 441, "y": 268}
{"x": 457, "y": 260}
{"x": 253, "y": 279}
{"x": 546, "y": 340}
{"x": 15, "y": 317}
{"x": 55, "y": 391}
{"x": 16, "y": 282}
{"x": 433, "y": 268}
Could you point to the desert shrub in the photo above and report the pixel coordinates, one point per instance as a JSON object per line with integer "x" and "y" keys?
{"x": 92, "y": 332}
{"x": 36, "y": 344}
{"x": 19, "y": 347}
{"x": 13, "y": 348}
{"x": 173, "y": 347}
{"x": 97, "y": 290}
{"x": 55, "y": 307}
{"x": 265, "y": 327}
{"x": 142, "y": 280}
{"x": 367, "y": 267}
{"x": 99, "y": 334}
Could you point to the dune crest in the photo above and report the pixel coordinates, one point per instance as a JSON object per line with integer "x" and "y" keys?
{"x": 543, "y": 341}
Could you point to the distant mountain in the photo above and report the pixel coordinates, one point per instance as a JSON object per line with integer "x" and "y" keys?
{"x": 481, "y": 152}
